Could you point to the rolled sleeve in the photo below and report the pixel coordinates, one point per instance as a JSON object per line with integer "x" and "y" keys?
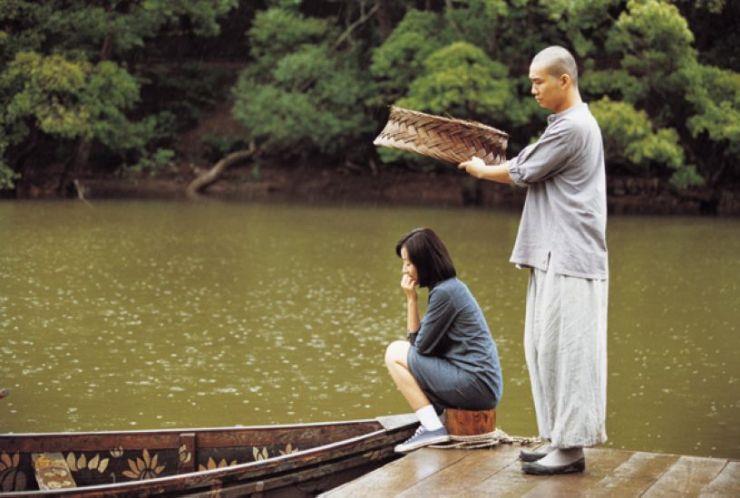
{"x": 411, "y": 337}
{"x": 515, "y": 173}
{"x": 545, "y": 158}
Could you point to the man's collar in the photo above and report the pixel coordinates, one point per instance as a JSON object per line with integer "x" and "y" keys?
{"x": 553, "y": 117}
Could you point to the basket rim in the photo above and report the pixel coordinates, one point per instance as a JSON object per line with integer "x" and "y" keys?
{"x": 458, "y": 121}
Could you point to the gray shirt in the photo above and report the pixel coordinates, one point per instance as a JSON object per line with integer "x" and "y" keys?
{"x": 563, "y": 225}
{"x": 455, "y": 329}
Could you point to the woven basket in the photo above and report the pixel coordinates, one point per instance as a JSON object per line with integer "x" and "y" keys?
{"x": 447, "y": 139}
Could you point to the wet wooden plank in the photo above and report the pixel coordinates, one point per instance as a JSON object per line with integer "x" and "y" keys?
{"x": 599, "y": 464}
{"x": 686, "y": 477}
{"x": 398, "y": 476}
{"x": 727, "y": 482}
{"x": 497, "y": 472}
{"x": 635, "y": 475}
{"x": 508, "y": 481}
{"x": 466, "y": 473}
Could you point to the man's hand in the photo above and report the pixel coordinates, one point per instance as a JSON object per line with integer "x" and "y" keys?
{"x": 474, "y": 167}
{"x": 477, "y": 168}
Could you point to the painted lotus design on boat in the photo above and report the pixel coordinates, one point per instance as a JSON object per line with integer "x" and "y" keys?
{"x": 260, "y": 454}
{"x": 183, "y": 454}
{"x": 288, "y": 449}
{"x": 212, "y": 464}
{"x": 224, "y": 460}
{"x": 76, "y": 464}
{"x": 11, "y": 479}
{"x": 143, "y": 468}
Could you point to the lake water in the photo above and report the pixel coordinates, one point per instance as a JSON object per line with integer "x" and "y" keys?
{"x": 133, "y": 315}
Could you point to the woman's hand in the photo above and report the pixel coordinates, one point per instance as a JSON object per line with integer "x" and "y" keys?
{"x": 408, "y": 285}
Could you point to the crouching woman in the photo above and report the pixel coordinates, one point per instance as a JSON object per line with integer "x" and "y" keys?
{"x": 450, "y": 359}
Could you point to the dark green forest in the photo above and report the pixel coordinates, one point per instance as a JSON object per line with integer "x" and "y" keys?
{"x": 110, "y": 87}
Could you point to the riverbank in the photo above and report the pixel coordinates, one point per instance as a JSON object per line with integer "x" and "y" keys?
{"x": 391, "y": 186}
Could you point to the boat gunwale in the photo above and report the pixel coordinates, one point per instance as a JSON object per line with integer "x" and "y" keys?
{"x": 144, "y": 432}
{"x": 177, "y": 482}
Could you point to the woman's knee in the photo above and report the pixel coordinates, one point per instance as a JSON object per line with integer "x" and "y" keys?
{"x": 396, "y": 352}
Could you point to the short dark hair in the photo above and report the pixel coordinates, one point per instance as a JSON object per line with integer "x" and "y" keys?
{"x": 558, "y": 61}
{"x": 429, "y": 255}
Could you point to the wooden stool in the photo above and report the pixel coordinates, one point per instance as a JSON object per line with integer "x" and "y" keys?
{"x": 469, "y": 422}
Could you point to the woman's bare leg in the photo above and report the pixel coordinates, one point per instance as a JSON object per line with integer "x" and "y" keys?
{"x": 395, "y": 360}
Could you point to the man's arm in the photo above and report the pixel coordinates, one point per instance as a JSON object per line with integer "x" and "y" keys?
{"x": 477, "y": 168}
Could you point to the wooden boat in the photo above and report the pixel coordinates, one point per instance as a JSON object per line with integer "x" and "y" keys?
{"x": 275, "y": 460}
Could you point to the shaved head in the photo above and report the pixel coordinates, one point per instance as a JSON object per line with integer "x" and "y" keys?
{"x": 557, "y": 61}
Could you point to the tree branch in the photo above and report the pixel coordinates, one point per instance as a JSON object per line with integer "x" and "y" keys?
{"x": 206, "y": 179}
{"x": 364, "y": 17}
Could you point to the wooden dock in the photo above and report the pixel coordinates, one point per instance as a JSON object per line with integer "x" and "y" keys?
{"x": 496, "y": 472}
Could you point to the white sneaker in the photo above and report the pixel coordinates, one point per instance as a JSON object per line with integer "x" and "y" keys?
{"x": 423, "y": 437}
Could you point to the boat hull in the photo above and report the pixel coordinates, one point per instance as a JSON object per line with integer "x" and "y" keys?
{"x": 290, "y": 460}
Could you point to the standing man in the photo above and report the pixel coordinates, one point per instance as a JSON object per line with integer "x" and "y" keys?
{"x": 562, "y": 241}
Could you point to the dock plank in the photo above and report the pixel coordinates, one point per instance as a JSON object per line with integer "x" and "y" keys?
{"x": 399, "y": 475}
{"x": 466, "y": 473}
{"x": 508, "y": 482}
{"x": 687, "y": 476}
{"x": 727, "y": 482}
{"x": 599, "y": 464}
{"x": 497, "y": 472}
{"x": 635, "y": 475}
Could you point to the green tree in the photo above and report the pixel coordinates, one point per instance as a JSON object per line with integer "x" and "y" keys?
{"x": 630, "y": 142}
{"x": 460, "y": 79}
{"x": 714, "y": 25}
{"x": 304, "y": 92}
{"x": 76, "y": 78}
{"x": 400, "y": 59}
{"x": 715, "y": 124}
{"x": 664, "y": 77}
{"x": 65, "y": 74}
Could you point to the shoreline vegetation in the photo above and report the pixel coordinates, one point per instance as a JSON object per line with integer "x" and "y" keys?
{"x": 98, "y": 101}
{"x": 316, "y": 184}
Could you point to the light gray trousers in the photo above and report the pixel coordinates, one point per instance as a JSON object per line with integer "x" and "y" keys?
{"x": 565, "y": 349}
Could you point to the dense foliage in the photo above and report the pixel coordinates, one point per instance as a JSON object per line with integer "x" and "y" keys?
{"x": 661, "y": 77}
{"x": 68, "y": 79}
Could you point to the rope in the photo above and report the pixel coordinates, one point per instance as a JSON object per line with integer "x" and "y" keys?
{"x": 486, "y": 440}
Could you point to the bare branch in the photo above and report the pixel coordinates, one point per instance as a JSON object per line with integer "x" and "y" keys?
{"x": 206, "y": 179}
{"x": 364, "y": 17}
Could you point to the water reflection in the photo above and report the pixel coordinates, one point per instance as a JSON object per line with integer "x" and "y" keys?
{"x": 166, "y": 314}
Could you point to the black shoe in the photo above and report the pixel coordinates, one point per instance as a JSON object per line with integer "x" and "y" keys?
{"x": 537, "y": 469}
{"x": 531, "y": 456}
